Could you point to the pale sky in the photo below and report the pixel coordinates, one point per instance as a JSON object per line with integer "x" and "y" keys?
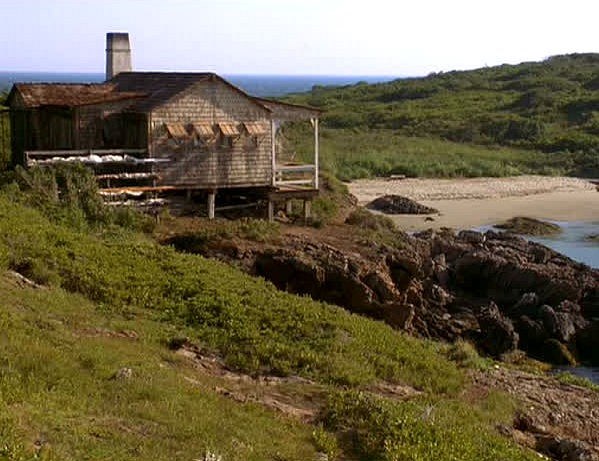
{"x": 305, "y": 37}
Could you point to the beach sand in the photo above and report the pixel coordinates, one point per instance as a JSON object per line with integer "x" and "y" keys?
{"x": 468, "y": 203}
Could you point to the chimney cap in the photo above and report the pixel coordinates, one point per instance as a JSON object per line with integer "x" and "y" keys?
{"x": 117, "y": 40}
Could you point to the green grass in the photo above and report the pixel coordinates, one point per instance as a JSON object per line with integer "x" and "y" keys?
{"x": 569, "y": 378}
{"x": 421, "y": 429}
{"x": 56, "y": 388}
{"x": 58, "y": 400}
{"x": 352, "y": 154}
{"x": 547, "y": 109}
{"x": 255, "y": 327}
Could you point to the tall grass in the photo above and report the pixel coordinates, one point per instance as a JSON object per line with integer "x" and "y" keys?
{"x": 352, "y": 154}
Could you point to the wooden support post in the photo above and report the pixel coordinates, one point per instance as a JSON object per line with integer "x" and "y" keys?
{"x": 271, "y": 211}
{"x": 288, "y": 207}
{"x": 307, "y": 210}
{"x": 316, "y": 153}
{"x": 211, "y": 204}
{"x": 273, "y": 152}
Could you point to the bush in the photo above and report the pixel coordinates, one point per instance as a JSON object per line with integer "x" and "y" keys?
{"x": 465, "y": 355}
{"x": 375, "y": 428}
{"x": 69, "y": 193}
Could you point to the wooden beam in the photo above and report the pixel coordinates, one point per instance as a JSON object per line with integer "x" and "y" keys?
{"x": 307, "y": 210}
{"x": 273, "y": 142}
{"x": 211, "y": 203}
{"x": 271, "y": 211}
{"x": 83, "y": 152}
{"x": 296, "y": 168}
{"x": 316, "y": 153}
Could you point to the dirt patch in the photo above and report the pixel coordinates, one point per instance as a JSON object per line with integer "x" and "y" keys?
{"x": 292, "y": 396}
{"x": 551, "y": 412}
{"x": 96, "y": 332}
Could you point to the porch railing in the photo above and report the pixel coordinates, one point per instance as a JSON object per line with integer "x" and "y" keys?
{"x": 295, "y": 175}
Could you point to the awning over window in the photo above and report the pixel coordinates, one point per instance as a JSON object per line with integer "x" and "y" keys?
{"x": 176, "y": 130}
{"x": 203, "y": 130}
{"x": 229, "y": 129}
{"x": 256, "y": 128}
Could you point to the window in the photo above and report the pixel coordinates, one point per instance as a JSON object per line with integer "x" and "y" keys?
{"x": 251, "y": 142}
{"x": 225, "y": 142}
{"x": 176, "y": 133}
{"x": 203, "y": 135}
{"x": 228, "y": 134}
{"x": 255, "y": 132}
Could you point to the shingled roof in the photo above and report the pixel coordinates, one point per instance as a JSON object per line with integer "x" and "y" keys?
{"x": 159, "y": 86}
{"x": 147, "y": 90}
{"x": 69, "y": 94}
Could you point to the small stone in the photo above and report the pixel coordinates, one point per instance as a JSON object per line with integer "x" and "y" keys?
{"x": 123, "y": 373}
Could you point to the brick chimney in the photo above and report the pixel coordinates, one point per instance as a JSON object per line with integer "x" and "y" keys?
{"x": 118, "y": 54}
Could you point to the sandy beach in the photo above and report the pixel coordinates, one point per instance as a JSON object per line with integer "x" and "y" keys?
{"x": 467, "y": 203}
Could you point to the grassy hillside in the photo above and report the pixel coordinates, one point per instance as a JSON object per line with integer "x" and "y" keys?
{"x": 548, "y": 107}
{"x": 4, "y": 133}
{"x": 113, "y": 299}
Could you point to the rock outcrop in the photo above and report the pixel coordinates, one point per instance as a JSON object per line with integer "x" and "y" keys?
{"x": 397, "y": 204}
{"x": 497, "y": 290}
{"x": 529, "y": 226}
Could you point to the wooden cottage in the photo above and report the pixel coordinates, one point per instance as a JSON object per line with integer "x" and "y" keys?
{"x": 186, "y": 131}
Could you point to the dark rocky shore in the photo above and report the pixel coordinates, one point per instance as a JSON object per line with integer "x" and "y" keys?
{"x": 496, "y": 290}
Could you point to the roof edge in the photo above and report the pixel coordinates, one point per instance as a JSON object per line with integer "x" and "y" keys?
{"x": 290, "y": 105}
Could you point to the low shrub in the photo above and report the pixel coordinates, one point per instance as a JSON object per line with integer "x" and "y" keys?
{"x": 69, "y": 193}
{"x": 372, "y": 427}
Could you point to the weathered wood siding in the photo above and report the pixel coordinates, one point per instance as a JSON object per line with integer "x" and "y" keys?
{"x": 97, "y": 126}
{"x": 212, "y": 102}
{"x": 105, "y": 126}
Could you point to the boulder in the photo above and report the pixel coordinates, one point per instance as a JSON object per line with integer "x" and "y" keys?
{"x": 396, "y": 204}
{"x": 557, "y": 353}
{"x": 532, "y": 335}
{"x": 557, "y": 324}
{"x": 529, "y": 226}
{"x": 587, "y": 341}
{"x": 497, "y": 332}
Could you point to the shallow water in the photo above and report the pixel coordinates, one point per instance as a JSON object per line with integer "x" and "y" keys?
{"x": 592, "y": 374}
{"x": 573, "y": 243}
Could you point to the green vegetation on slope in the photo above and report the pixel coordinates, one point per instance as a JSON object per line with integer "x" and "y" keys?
{"x": 4, "y": 133}
{"x": 548, "y": 107}
{"x": 360, "y": 153}
{"x": 58, "y": 399}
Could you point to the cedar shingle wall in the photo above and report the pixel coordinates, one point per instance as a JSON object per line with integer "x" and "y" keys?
{"x": 209, "y": 165}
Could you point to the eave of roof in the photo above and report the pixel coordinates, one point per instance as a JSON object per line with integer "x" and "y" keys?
{"x": 68, "y": 94}
{"x": 273, "y": 103}
{"x": 290, "y": 112}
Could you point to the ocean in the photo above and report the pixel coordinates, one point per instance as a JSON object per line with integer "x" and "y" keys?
{"x": 256, "y": 85}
